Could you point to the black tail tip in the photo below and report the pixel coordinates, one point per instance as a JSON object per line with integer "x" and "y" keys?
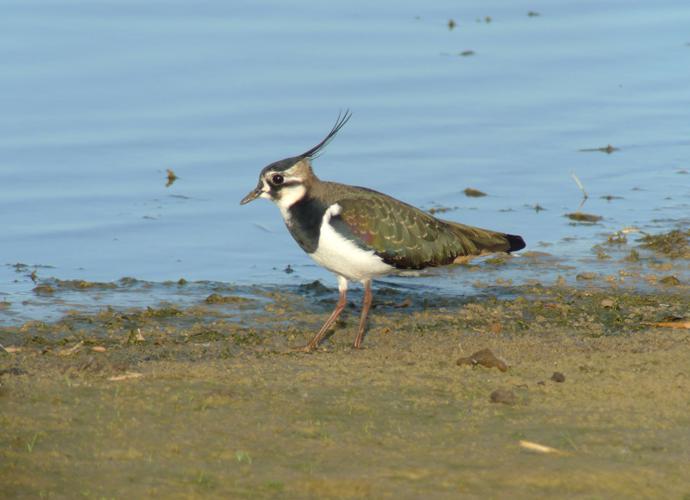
{"x": 516, "y": 242}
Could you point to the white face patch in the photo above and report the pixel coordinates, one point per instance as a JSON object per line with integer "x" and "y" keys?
{"x": 286, "y": 193}
{"x": 288, "y": 196}
{"x": 264, "y": 190}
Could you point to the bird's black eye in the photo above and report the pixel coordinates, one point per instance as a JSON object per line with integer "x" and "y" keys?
{"x": 277, "y": 179}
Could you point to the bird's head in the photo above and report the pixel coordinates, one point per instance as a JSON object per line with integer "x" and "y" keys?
{"x": 286, "y": 181}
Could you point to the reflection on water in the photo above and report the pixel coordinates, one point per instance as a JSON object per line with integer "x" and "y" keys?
{"x": 100, "y": 100}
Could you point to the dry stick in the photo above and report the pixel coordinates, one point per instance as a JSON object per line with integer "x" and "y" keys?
{"x": 71, "y": 350}
{"x": 540, "y": 448}
{"x": 125, "y": 376}
{"x": 582, "y": 188}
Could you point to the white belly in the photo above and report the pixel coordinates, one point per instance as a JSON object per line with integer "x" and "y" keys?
{"x": 343, "y": 257}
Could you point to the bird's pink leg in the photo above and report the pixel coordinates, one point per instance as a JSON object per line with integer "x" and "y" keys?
{"x": 342, "y": 301}
{"x": 366, "y": 304}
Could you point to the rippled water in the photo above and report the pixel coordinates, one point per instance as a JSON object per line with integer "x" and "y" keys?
{"x": 100, "y": 98}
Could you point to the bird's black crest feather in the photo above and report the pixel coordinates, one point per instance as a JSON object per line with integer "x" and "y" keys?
{"x": 339, "y": 123}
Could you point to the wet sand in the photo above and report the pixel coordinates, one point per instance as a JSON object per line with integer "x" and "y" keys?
{"x": 209, "y": 400}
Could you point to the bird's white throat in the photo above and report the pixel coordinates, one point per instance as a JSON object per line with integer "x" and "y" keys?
{"x": 288, "y": 196}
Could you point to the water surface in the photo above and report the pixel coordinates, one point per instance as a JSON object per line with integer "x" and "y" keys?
{"x": 99, "y": 99}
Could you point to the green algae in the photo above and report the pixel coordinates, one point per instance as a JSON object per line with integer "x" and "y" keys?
{"x": 673, "y": 244}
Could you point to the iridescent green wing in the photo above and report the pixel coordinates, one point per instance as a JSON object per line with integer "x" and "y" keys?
{"x": 403, "y": 236}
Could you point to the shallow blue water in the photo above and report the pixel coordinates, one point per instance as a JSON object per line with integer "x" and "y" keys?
{"x": 100, "y": 98}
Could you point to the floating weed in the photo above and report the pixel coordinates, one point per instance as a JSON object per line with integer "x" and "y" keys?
{"x": 674, "y": 244}
{"x": 474, "y": 193}
{"x": 617, "y": 238}
{"x": 584, "y": 217}
{"x": 633, "y": 256}
{"x": 608, "y": 149}
{"x": 171, "y": 177}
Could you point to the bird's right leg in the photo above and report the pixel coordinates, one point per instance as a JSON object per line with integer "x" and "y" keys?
{"x": 342, "y": 301}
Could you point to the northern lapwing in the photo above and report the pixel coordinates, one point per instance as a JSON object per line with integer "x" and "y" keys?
{"x": 360, "y": 234}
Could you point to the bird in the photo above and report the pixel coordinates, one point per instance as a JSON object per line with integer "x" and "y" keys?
{"x": 360, "y": 234}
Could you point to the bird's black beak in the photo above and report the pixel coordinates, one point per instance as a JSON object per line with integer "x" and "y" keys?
{"x": 253, "y": 194}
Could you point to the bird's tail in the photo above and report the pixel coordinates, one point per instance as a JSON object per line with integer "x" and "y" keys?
{"x": 516, "y": 242}
{"x": 480, "y": 241}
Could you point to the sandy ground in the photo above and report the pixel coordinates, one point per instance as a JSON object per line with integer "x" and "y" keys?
{"x": 210, "y": 401}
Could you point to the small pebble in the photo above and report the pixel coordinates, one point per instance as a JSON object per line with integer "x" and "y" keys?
{"x": 505, "y": 396}
{"x": 485, "y": 358}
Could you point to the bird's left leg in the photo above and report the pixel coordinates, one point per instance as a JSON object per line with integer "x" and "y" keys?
{"x": 342, "y": 302}
{"x": 366, "y": 305}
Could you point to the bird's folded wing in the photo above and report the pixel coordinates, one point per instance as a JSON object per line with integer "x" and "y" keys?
{"x": 406, "y": 237}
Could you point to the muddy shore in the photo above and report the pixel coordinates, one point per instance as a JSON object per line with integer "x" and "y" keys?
{"x": 205, "y": 400}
